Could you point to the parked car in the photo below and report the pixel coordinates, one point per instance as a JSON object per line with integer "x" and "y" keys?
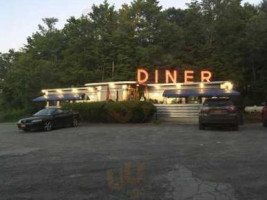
{"x": 253, "y": 109}
{"x": 264, "y": 116}
{"x": 219, "y": 111}
{"x": 48, "y": 119}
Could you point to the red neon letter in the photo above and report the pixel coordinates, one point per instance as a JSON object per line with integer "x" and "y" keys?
{"x": 188, "y": 76}
{"x": 156, "y": 76}
{"x": 206, "y": 76}
{"x": 169, "y": 75}
{"x": 141, "y": 72}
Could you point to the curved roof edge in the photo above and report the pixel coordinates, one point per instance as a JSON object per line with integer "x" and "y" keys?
{"x": 107, "y": 83}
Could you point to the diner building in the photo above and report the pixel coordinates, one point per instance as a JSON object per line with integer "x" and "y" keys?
{"x": 157, "y": 93}
{"x": 177, "y": 95}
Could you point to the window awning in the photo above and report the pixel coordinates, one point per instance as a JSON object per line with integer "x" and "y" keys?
{"x": 208, "y": 92}
{"x": 59, "y": 97}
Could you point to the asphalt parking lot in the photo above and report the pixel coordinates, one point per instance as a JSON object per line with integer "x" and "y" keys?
{"x": 144, "y": 161}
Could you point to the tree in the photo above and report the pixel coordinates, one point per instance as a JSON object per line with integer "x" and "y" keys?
{"x": 107, "y": 44}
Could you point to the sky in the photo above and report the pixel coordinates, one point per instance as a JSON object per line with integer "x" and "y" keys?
{"x": 20, "y": 18}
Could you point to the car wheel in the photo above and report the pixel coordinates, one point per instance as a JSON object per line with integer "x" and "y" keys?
{"x": 201, "y": 126}
{"x": 75, "y": 122}
{"x": 47, "y": 126}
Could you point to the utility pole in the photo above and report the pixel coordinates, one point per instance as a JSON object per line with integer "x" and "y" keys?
{"x": 103, "y": 73}
{"x": 113, "y": 68}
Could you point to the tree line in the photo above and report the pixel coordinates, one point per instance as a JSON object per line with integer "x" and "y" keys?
{"x": 225, "y": 36}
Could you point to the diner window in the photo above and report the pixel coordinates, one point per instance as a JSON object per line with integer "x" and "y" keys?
{"x": 193, "y": 100}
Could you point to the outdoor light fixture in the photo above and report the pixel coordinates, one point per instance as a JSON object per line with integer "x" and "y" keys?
{"x": 60, "y": 95}
{"x": 156, "y": 94}
{"x": 178, "y": 86}
{"x": 75, "y": 90}
{"x": 227, "y": 86}
{"x": 157, "y": 87}
{"x": 45, "y": 92}
{"x": 91, "y": 89}
{"x": 59, "y": 91}
{"x": 111, "y": 85}
{"x": 201, "y": 85}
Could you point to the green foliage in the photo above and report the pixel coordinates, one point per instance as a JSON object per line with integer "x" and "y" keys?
{"x": 12, "y": 115}
{"x": 107, "y": 44}
{"x": 119, "y": 112}
{"x": 91, "y": 112}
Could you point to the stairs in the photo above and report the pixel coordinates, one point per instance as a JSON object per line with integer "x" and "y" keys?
{"x": 180, "y": 113}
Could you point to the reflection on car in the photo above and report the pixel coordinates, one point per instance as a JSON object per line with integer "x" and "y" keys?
{"x": 218, "y": 111}
{"x": 48, "y": 119}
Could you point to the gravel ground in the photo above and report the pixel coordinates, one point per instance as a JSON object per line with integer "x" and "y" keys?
{"x": 145, "y": 161}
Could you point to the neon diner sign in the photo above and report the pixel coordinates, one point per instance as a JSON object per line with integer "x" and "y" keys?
{"x": 171, "y": 76}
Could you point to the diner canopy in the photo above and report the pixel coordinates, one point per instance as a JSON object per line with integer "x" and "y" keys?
{"x": 59, "y": 97}
{"x": 208, "y": 92}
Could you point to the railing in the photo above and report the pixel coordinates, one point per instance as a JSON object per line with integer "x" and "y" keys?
{"x": 178, "y": 112}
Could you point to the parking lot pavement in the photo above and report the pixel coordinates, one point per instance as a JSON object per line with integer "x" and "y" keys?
{"x": 144, "y": 161}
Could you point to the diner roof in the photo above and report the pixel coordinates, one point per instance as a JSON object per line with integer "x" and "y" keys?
{"x": 108, "y": 83}
{"x": 193, "y": 83}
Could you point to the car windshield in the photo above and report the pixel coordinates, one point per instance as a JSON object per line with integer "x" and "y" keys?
{"x": 218, "y": 103}
{"x": 45, "y": 112}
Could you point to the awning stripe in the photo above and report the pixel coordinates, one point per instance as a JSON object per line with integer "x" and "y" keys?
{"x": 209, "y": 92}
{"x": 55, "y": 97}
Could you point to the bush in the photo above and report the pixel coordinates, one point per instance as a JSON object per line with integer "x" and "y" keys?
{"x": 116, "y": 112}
{"x": 12, "y": 115}
{"x": 255, "y": 117}
{"x": 92, "y": 112}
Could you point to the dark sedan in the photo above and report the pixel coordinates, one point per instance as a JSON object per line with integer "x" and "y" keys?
{"x": 219, "y": 111}
{"x": 48, "y": 119}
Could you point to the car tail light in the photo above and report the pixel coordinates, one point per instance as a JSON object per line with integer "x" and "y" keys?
{"x": 264, "y": 110}
{"x": 231, "y": 108}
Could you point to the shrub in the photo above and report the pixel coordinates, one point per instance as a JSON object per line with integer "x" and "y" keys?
{"x": 118, "y": 112}
{"x": 12, "y": 115}
{"x": 255, "y": 117}
{"x": 92, "y": 112}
